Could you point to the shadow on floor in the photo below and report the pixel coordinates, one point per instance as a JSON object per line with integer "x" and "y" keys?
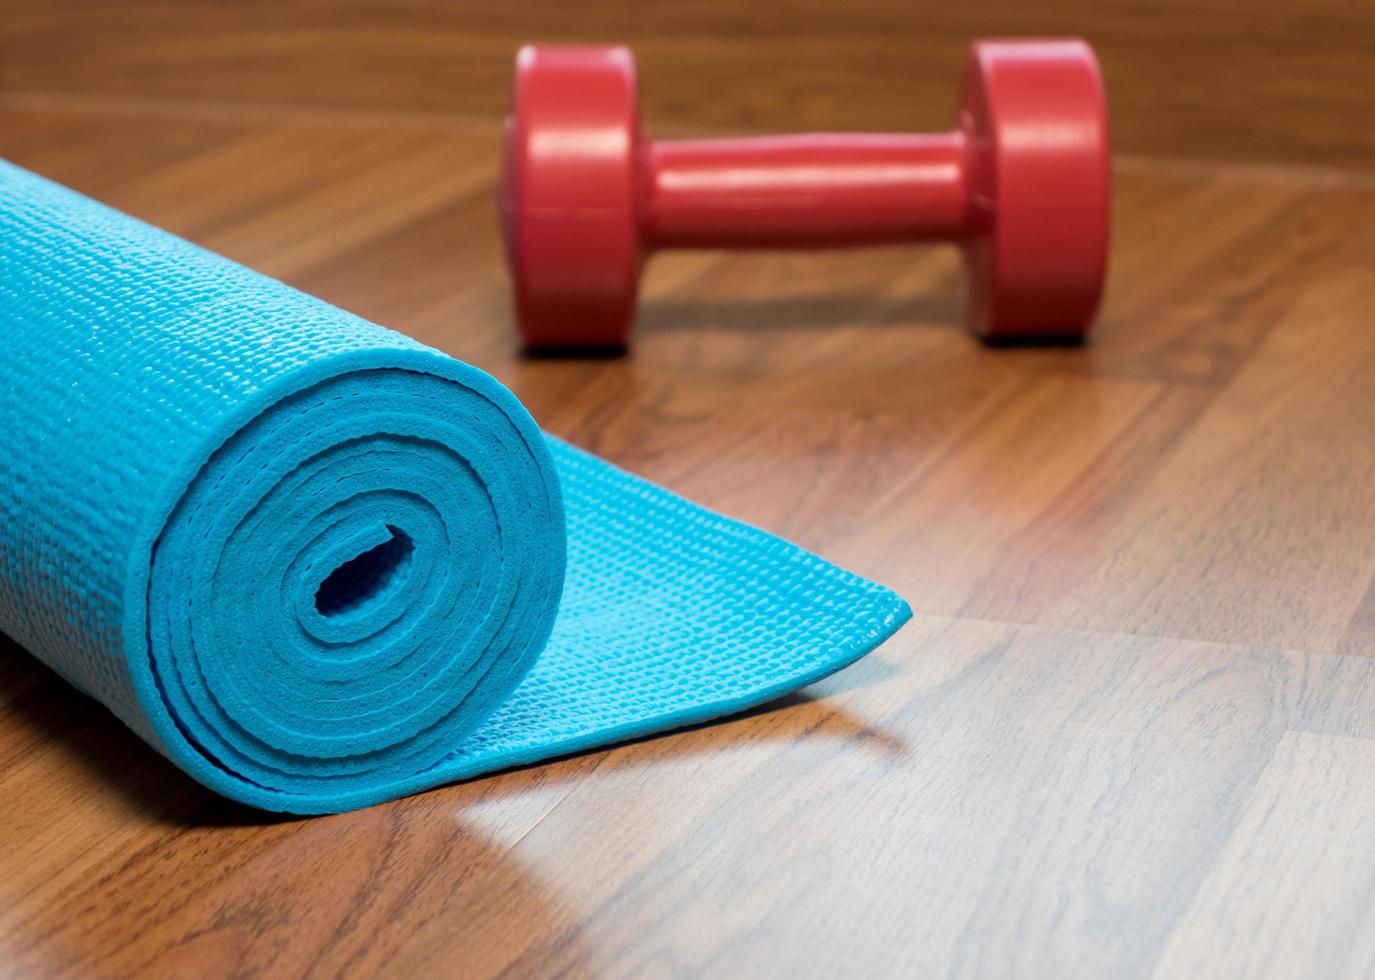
{"x": 45, "y": 709}
{"x": 941, "y": 310}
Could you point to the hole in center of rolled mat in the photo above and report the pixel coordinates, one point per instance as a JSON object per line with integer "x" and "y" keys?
{"x": 366, "y": 578}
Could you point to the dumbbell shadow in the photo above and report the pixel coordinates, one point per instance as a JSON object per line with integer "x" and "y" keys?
{"x": 785, "y": 313}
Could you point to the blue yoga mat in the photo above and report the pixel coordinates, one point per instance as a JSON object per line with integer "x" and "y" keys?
{"x": 319, "y": 565}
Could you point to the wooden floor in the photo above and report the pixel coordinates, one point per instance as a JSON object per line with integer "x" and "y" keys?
{"x": 1131, "y": 730}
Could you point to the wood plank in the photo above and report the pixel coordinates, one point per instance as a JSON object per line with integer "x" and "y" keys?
{"x": 1246, "y": 530}
{"x": 1022, "y": 802}
{"x": 1308, "y": 823}
{"x": 979, "y": 798}
{"x": 98, "y": 152}
{"x": 1279, "y": 79}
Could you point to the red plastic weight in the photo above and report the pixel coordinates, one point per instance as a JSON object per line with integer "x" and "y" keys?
{"x": 1021, "y": 185}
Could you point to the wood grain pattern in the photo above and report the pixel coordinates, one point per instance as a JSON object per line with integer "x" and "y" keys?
{"x": 1121, "y": 737}
{"x": 1316, "y": 782}
{"x": 1236, "y": 79}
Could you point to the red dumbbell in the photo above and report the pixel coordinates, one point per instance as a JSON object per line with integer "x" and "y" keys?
{"x": 1022, "y": 185}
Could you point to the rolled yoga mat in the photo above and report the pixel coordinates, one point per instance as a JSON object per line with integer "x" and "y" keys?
{"x": 319, "y": 565}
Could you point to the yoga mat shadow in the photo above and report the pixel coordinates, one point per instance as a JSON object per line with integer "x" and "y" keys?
{"x": 107, "y": 753}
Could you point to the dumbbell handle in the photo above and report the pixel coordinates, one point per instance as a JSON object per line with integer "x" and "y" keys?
{"x": 808, "y": 191}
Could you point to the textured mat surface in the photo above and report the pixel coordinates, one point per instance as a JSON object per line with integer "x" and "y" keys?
{"x": 319, "y": 565}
